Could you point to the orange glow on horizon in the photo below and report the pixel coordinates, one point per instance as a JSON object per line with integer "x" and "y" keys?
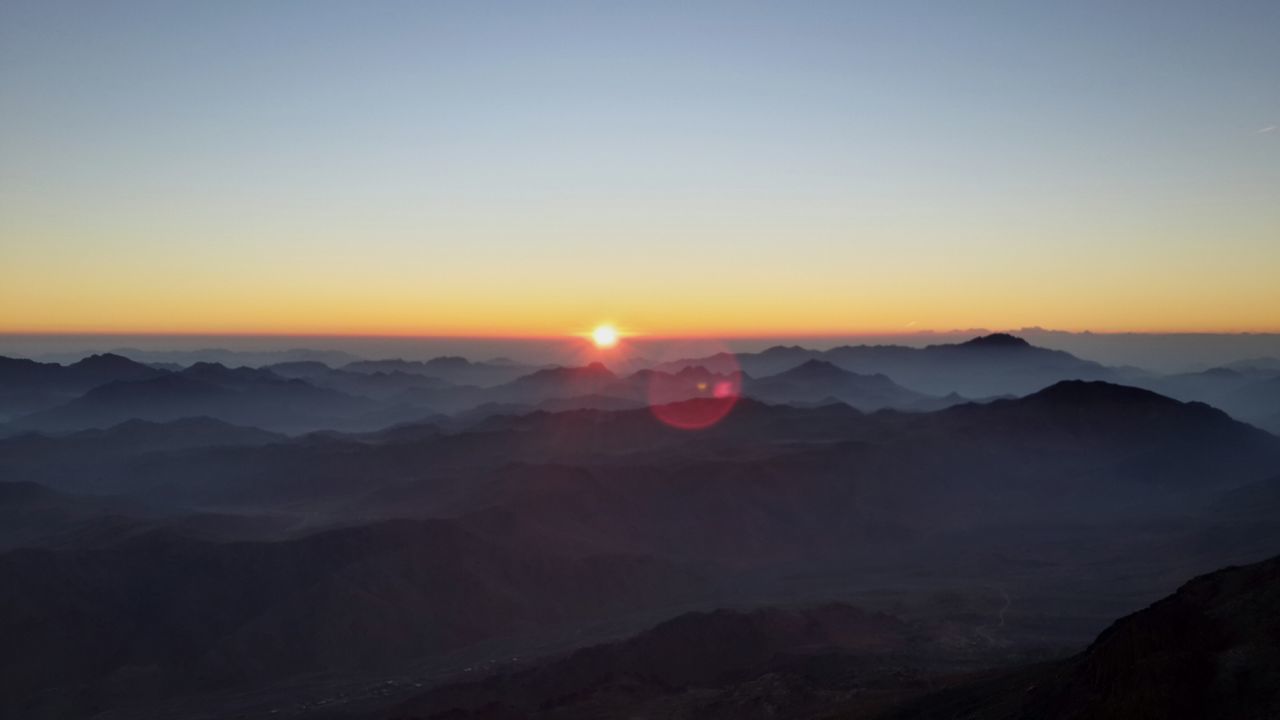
{"x": 729, "y": 332}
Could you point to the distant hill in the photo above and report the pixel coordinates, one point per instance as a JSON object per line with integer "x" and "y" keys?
{"x": 560, "y": 382}
{"x": 301, "y": 369}
{"x": 1265, "y": 364}
{"x": 1074, "y": 442}
{"x": 28, "y": 386}
{"x": 1248, "y": 392}
{"x": 1257, "y": 402}
{"x": 456, "y": 370}
{"x": 236, "y": 358}
{"x": 245, "y": 396}
{"x": 380, "y": 385}
{"x": 139, "y": 436}
{"x": 564, "y": 387}
{"x": 818, "y": 380}
{"x": 986, "y": 366}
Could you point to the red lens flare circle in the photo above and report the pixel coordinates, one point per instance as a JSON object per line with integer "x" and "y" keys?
{"x": 696, "y": 388}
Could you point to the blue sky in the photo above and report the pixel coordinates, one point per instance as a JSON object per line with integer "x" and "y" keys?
{"x": 252, "y": 165}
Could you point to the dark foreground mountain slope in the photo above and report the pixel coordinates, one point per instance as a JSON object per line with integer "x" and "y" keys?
{"x": 1211, "y": 650}
{"x": 723, "y": 664}
{"x": 162, "y": 614}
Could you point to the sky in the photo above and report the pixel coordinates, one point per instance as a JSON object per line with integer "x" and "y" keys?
{"x": 691, "y": 168}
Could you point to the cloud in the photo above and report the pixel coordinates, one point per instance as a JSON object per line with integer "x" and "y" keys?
{"x": 1268, "y": 129}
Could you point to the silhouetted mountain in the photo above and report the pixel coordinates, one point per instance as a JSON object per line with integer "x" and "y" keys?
{"x": 140, "y": 436}
{"x": 1208, "y": 651}
{"x": 1248, "y": 394}
{"x": 560, "y": 387}
{"x": 983, "y": 367}
{"x": 457, "y": 370}
{"x": 241, "y": 395}
{"x": 1202, "y": 386}
{"x": 996, "y": 340}
{"x": 1257, "y": 402}
{"x": 1258, "y": 364}
{"x": 480, "y": 413}
{"x": 818, "y": 380}
{"x": 300, "y": 369}
{"x": 27, "y": 386}
{"x": 560, "y": 382}
{"x": 380, "y": 385}
{"x": 1074, "y": 443}
{"x": 236, "y": 358}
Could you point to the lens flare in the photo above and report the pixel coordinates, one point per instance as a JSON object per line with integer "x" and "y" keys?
{"x": 695, "y": 397}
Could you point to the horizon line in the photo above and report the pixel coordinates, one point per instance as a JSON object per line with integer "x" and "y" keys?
{"x": 630, "y": 334}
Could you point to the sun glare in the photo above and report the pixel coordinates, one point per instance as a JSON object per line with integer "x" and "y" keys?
{"x": 605, "y": 336}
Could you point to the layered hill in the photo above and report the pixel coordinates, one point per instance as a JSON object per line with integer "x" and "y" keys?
{"x": 1089, "y": 496}
{"x": 986, "y": 366}
{"x": 243, "y": 396}
{"x": 28, "y": 386}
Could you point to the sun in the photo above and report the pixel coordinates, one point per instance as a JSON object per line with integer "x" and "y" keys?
{"x": 605, "y": 336}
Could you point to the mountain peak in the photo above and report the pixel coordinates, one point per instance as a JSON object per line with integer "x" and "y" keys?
{"x": 448, "y": 362}
{"x": 1076, "y": 392}
{"x": 997, "y": 340}
{"x": 593, "y": 371}
{"x": 104, "y": 361}
{"x": 816, "y": 369}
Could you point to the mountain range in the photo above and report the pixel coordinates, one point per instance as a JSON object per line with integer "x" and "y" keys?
{"x": 309, "y": 541}
{"x": 307, "y": 395}
{"x": 986, "y": 366}
{"x": 420, "y": 545}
